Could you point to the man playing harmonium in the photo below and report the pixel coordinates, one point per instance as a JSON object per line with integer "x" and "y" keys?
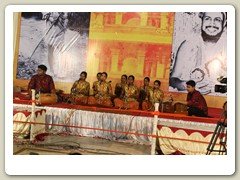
{"x": 80, "y": 90}
{"x": 196, "y": 103}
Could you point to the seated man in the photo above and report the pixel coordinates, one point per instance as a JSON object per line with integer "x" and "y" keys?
{"x": 155, "y": 96}
{"x": 103, "y": 93}
{"x": 80, "y": 90}
{"x": 144, "y": 91}
{"x": 95, "y": 83}
{"x": 196, "y": 103}
{"x": 43, "y": 84}
{"x": 131, "y": 93}
{"x": 119, "y": 88}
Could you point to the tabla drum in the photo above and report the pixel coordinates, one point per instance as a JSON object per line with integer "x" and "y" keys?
{"x": 46, "y": 99}
{"x": 180, "y": 108}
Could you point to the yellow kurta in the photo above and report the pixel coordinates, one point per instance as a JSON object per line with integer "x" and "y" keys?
{"x": 102, "y": 96}
{"x": 147, "y": 90}
{"x": 80, "y": 89}
{"x": 95, "y": 85}
{"x": 103, "y": 90}
{"x": 131, "y": 93}
{"x": 156, "y": 96}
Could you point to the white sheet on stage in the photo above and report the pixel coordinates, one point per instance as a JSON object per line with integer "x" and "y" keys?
{"x": 100, "y": 120}
{"x": 68, "y": 118}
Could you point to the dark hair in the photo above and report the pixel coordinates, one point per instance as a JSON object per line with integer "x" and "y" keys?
{"x": 224, "y": 14}
{"x": 191, "y": 83}
{"x": 99, "y": 73}
{"x": 84, "y": 72}
{"x": 132, "y": 76}
{"x": 42, "y": 67}
{"x": 147, "y": 78}
{"x": 105, "y": 74}
{"x": 124, "y": 75}
{"x": 157, "y": 81}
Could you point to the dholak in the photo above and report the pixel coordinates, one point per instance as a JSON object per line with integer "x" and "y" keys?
{"x": 46, "y": 99}
{"x": 166, "y": 107}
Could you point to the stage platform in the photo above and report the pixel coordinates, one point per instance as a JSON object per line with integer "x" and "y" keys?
{"x": 177, "y": 133}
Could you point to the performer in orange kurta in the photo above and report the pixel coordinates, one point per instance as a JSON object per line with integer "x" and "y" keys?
{"x": 80, "y": 90}
{"x": 131, "y": 93}
{"x": 144, "y": 91}
{"x": 154, "y": 96}
{"x": 103, "y": 93}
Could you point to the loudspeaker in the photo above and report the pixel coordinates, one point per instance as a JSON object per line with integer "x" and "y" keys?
{"x": 220, "y": 88}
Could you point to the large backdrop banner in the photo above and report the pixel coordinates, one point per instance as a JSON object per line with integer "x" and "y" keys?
{"x": 171, "y": 47}
{"x": 137, "y": 43}
{"x": 199, "y": 52}
{"x": 58, "y": 40}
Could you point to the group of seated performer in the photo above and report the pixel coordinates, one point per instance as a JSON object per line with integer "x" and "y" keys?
{"x": 127, "y": 94}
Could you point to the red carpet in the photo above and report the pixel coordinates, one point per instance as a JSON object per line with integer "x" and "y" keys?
{"x": 214, "y": 113}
